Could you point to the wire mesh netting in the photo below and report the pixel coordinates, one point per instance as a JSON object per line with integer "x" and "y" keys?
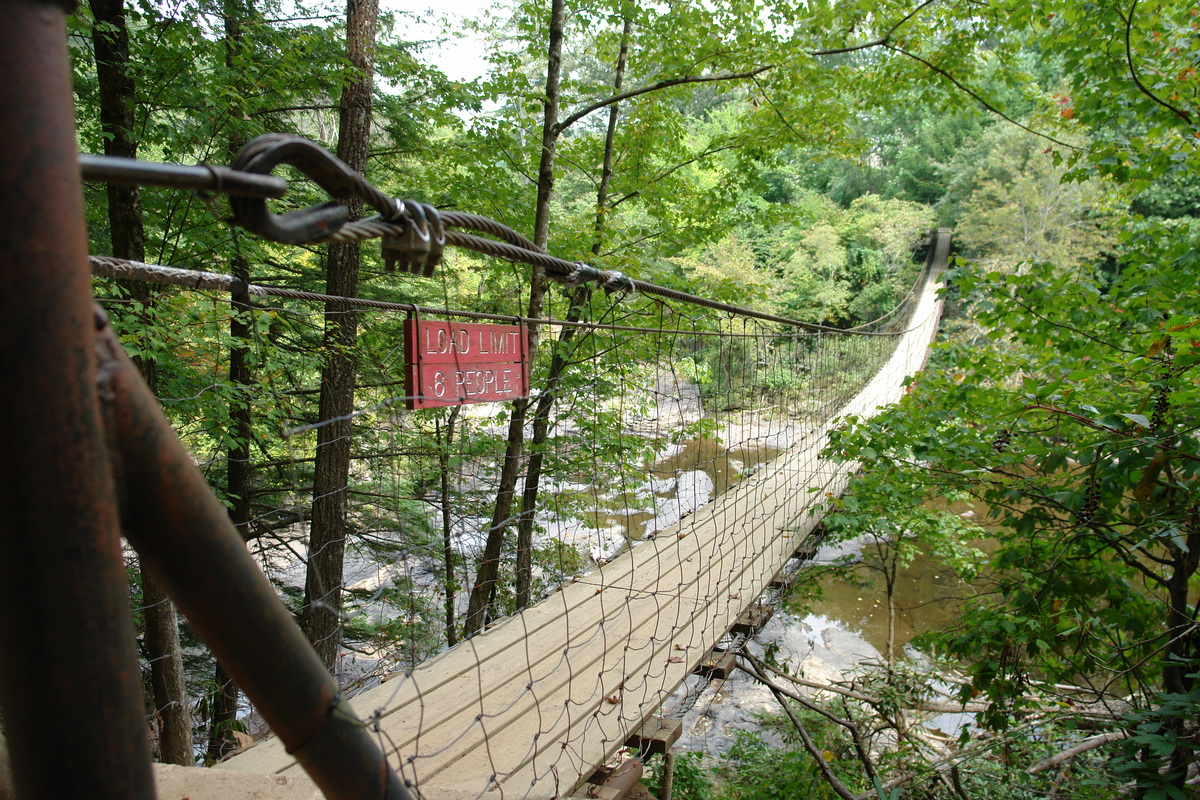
{"x": 658, "y": 495}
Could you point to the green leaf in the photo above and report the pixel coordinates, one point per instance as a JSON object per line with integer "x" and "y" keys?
{"x": 1137, "y": 419}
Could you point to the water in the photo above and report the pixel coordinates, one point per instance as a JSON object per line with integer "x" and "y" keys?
{"x": 691, "y": 474}
{"x": 831, "y": 639}
{"x": 927, "y": 597}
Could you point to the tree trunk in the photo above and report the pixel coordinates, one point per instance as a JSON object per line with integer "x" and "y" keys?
{"x": 166, "y": 675}
{"x": 224, "y": 698}
{"x": 1182, "y": 648}
{"x": 118, "y": 99}
{"x": 606, "y": 168}
{"x": 223, "y": 701}
{"x": 541, "y": 432}
{"x": 485, "y": 579}
{"x": 1183, "y": 644}
{"x": 550, "y": 134}
{"x": 579, "y": 302}
{"x": 451, "y": 587}
{"x": 327, "y": 537}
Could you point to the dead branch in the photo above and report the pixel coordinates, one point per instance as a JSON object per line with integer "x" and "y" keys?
{"x": 1090, "y": 743}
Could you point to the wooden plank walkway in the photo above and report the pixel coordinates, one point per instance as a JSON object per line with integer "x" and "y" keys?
{"x": 532, "y": 706}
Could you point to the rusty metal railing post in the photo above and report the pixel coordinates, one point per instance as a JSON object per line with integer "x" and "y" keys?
{"x": 78, "y": 431}
{"x": 69, "y": 684}
{"x": 185, "y": 537}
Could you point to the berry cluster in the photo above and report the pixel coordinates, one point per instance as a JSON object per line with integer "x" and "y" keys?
{"x": 1091, "y": 501}
{"x": 1002, "y": 440}
{"x": 1161, "y": 407}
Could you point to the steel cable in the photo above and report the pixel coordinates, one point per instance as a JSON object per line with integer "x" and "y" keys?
{"x": 397, "y": 222}
{"x": 570, "y": 273}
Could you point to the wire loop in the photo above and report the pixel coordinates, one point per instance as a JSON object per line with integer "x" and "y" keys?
{"x": 265, "y": 153}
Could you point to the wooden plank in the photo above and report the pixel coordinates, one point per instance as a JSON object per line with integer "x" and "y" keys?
{"x": 650, "y": 611}
{"x": 487, "y": 759}
{"x": 656, "y": 736}
{"x": 491, "y": 665}
{"x": 752, "y": 620}
{"x": 618, "y": 686}
{"x": 784, "y": 581}
{"x": 718, "y": 664}
{"x": 173, "y": 782}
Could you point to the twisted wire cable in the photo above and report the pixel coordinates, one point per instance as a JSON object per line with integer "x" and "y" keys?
{"x": 396, "y": 219}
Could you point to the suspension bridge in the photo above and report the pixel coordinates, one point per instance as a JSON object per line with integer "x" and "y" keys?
{"x": 536, "y": 704}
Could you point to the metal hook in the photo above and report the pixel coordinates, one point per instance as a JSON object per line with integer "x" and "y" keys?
{"x": 266, "y": 152}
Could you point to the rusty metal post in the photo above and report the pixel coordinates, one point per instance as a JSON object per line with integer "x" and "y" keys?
{"x": 70, "y": 691}
{"x": 667, "y": 784}
{"x": 625, "y": 777}
{"x": 186, "y": 539}
{"x": 7, "y": 790}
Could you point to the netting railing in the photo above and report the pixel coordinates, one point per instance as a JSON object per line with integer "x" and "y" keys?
{"x": 659, "y": 413}
{"x": 533, "y": 705}
{"x": 677, "y": 481}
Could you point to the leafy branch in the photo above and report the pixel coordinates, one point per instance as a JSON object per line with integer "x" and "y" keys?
{"x": 978, "y": 97}
{"x": 881, "y": 41}
{"x": 878, "y": 42}
{"x": 570, "y": 120}
{"x": 1133, "y": 73}
{"x": 1023, "y": 304}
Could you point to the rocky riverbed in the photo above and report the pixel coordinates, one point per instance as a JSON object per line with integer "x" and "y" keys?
{"x": 838, "y": 640}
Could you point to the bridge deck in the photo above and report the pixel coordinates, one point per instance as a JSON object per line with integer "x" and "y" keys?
{"x": 531, "y": 706}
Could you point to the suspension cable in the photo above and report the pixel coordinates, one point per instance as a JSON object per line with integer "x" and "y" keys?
{"x": 199, "y": 280}
{"x": 413, "y": 233}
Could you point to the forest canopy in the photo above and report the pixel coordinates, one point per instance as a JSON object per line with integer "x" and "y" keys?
{"x": 784, "y": 156}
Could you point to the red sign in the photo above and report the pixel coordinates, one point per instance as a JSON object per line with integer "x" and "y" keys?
{"x": 455, "y": 363}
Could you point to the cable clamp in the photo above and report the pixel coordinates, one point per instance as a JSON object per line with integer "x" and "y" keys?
{"x": 418, "y": 248}
{"x": 581, "y": 273}
{"x": 614, "y": 281}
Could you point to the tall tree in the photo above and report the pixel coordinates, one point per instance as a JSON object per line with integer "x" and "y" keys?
{"x": 327, "y": 536}
{"x": 485, "y": 579}
{"x": 1021, "y": 210}
{"x": 118, "y": 100}
{"x": 224, "y": 698}
{"x": 579, "y": 298}
{"x": 552, "y": 130}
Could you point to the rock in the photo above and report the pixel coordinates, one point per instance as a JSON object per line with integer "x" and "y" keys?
{"x": 849, "y": 646}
